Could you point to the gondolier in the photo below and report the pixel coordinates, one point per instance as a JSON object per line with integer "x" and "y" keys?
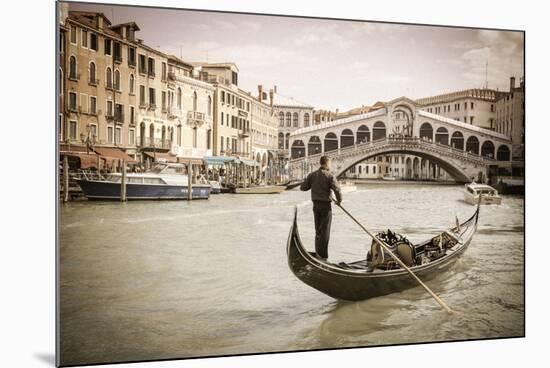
{"x": 321, "y": 182}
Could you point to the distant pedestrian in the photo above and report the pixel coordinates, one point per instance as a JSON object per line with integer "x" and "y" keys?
{"x": 321, "y": 182}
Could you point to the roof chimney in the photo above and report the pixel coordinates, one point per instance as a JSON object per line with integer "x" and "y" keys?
{"x": 275, "y": 89}
{"x": 260, "y": 92}
{"x": 512, "y": 84}
{"x": 271, "y": 98}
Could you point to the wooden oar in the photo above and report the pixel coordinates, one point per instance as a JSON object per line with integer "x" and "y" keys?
{"x": 387, "y": 249}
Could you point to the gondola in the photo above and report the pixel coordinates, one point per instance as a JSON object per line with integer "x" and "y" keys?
{"x": 356, "y": 281}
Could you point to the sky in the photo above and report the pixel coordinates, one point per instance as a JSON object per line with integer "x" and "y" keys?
{"x": 332, "y": 64}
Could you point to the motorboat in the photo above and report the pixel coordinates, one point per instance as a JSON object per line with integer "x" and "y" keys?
{"x": 473, "y": 191}
{"x": 216, "y": 187}
{"x": 163, "y": 181}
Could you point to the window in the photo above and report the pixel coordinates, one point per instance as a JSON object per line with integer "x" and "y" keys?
{"x": 179, "y": 98}
{"x": 119, "y": 112}
{"x": 295, "y": 120}
{"x": 223, "y": 97}
{"x": 281, "y": 119}
{"x": 306, "y": 119}
{"x": 163, "y": 71}
{"x": 151, "y": 67}
{"x": 73, "y": 34}
{"x": 152, "y": 97}
{"x": 118, "y": 133}
{"x": 142, "y": 66}
{"x": 117, "y": 80}
{"x": 92, "y": 74}
{"x": 109, "y": 134}
{"x": 93, "y": 132}
{"x": 471, "y": 105}
{"x": 93, "y": 105}
{"x": 288, "y": 118}
{"x": 195, "y": 101}
{"x": 142, "y": 95}
{"x": 164, "y": 100}
{"x": 72, "y": 101}
{"x": 234, "y": 78}
{"x": 93, "y": 41}
{"x": 84, "y": 38}
{"x": 471, "y": 119}
{"x": 209, "y": 107}
{"x": 131, "y": 84}
{"x": 132, "y": 137}
{"x": 131, "y": 56}
{"x": 132, "y": 115}
{"x": 109, "y": 78}
{"x": 108, "y": 46}
{"x": 117, "y": 52}
{"x": 72, "y": 129}
{"x": 221, "y": 145}
{"x": 465, "y": 105}
{"x": 72, "y": 68}
{"x": 109, "y": 108}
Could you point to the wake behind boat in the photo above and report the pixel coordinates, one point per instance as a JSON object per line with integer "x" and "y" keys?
{"x": 359, "y": 280}
{"x": 164, "y": 181}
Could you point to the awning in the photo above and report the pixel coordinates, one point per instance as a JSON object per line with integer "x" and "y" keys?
{"x": 112, "y": 154}
{"x": 247, "y": 162}
{"x": 194, "y": 160}
{"x": 161, "y": 156}
{"x": 218, "y": 160}
{"x": 87, "y": 160}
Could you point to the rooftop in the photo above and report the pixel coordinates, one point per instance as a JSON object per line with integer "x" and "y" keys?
{"x": 284, "y": 101}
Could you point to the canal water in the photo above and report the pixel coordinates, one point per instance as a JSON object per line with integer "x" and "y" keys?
{"x": 171, "y": 279}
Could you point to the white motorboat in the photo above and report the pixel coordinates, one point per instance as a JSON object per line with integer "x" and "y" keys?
{"x": 473, "y": 191}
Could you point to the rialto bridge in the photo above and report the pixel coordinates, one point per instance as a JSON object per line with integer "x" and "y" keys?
{"x": 464, "y": 151}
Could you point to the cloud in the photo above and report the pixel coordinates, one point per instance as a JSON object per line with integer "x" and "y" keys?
{"x": 326, "y": 35}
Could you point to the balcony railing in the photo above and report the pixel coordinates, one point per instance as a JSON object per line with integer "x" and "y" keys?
{"x": 195, "y": 116}
{"x": 154, "y": 143}
{"x": 117, "y": 117}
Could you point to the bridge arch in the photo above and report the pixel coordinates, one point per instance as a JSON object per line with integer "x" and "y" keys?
{"x": 314, "y": 146}
{"x": 331, "y": 142}
{"x": 455, "y": 171}
{"x": 347, "y": 138}
{"x": 503, "y": 153}
{"x": 472, "y": 145}
{"x": 488, "y": 149}
{"x": 298, "y": 149}
{"x": 426, "y": 131}
{"x": 363, "y": 134}
{"x": 442, "y": 136}
{"x": 457, "y": 140}
{"x": 378, "y": 131}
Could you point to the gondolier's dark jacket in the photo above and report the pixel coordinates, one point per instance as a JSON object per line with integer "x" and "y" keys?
{"x": 321, "y": 182}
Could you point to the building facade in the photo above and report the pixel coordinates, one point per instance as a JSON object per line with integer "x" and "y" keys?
{"x": 292, "y": 115}
{"x": 190, "y": 107}
{"x": 510, "y": 117}
{"x": 264, "y": 128}
{"x": 472, "y": 106}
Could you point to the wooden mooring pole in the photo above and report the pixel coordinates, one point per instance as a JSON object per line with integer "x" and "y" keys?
{"x": 65, "y": 179}
{"x": 189, "y": 182}
{"x": 123, "y": 182}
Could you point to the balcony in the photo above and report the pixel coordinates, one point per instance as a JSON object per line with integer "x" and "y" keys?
{"x": 155, "y": 143}
{"x": 117, "y": 117}
{"x": 152, "y": 106}
{"x": 174, "y": 112}
{"x": 195, "y": 116}
{"x": 93, "y": 82}
{"x": 244, "y": 133}
{"x": 151, "y": 74}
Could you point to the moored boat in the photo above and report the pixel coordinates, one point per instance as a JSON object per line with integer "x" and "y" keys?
{"x": 489, "y": 195}
{"x": 164, "y": 181}
{"x": 260, "y": 189}
{"x": 357, "y": 281}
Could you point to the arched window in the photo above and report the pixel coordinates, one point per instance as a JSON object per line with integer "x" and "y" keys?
{"x": 472, "y": 145}
{"x": 209, "y": 106}
{"x": 331, "y": 142}
{"x": 179, "y": 98}
{"x": 131, "y": 84}
{"x": 306, "y": 119}
{"x": 117, "y": 80}
{"x": 314, "y": 146}
{"x": 295, "y": 120}
{"x": 288, "y": 119}
{"x": 92, "y": 73}
{"x": 488, "y": 149}
{"x": 442, "y": 136}
{"x": 72, "y": 68}
{"x": 298, "y": 149}
{"x": 378, "y": 131}
{"x": 426, "y": 132}
{"x": 281, "y": 119}
{"x": 503, "y": 153}
{"x": 281, "y": 140}
{"x": 109, "y": 78}
{"x": 346, "y": 138}
{"x": 151, "y": 135}
{"x": 195, "y": 101}
{"x": 457, "y": 140}
{"x": 363, "y": 134}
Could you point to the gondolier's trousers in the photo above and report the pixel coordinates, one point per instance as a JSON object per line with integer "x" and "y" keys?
{"x": 322, "y": 215}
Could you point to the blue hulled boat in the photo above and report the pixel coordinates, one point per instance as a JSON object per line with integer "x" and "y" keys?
{"x": 163, "y": 181}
